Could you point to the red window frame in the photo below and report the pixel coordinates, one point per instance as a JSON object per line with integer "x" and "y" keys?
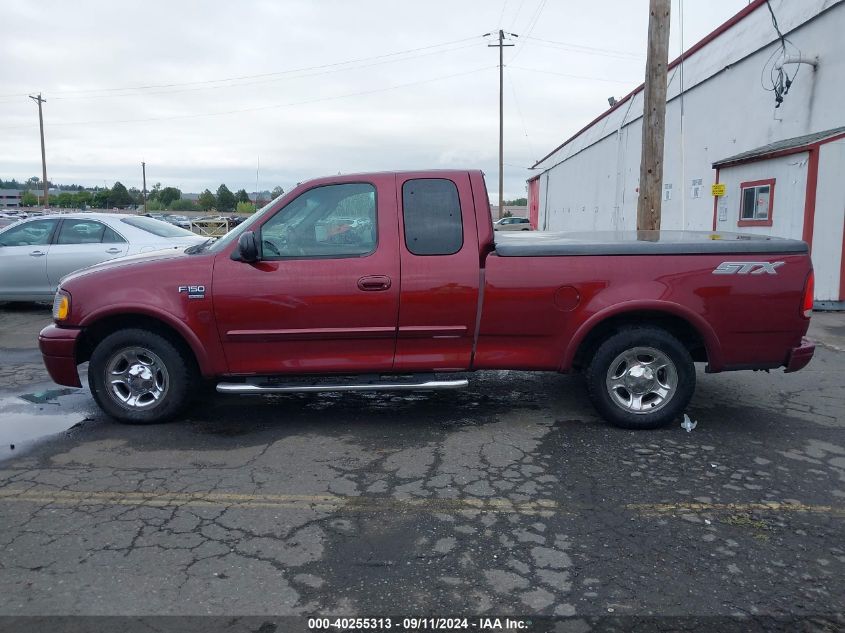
{"x": 757, "y": 183}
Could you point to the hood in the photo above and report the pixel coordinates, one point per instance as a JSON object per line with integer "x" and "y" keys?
{"x": 142, "y": 259}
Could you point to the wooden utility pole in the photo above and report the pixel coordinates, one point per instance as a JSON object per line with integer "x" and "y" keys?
{"x": 144, "y": 190}
{"x": 39, "y": 100}
{"x": 654, "y": 117}
{"x": 501, "y": 46}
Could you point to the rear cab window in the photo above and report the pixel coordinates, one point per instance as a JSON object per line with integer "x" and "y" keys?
{"x": 431, "y": 211}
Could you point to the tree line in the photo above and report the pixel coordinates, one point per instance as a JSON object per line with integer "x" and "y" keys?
{"x": 158, "y": 198}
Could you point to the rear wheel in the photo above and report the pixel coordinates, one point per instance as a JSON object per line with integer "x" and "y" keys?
{"x": 140, "y": 377}
{"x": 641, "y": 378}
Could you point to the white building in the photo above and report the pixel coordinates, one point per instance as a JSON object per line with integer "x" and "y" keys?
{"x": 783, "y": 168}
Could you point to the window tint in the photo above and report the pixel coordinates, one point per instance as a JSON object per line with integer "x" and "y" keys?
{"x": 329, "y": 221}
{"x": 111, "y": 237}
{"x": 156, "y": 227}
{"x": 81, "y": 232}
{"x": 34, "y": 233}
{"x": 432, "y": 216}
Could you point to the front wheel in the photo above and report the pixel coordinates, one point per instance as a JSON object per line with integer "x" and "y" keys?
{"x": 641, "y": 378}
{"x": 140, "y": 377}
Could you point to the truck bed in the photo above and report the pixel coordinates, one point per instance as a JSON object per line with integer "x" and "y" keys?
{"x": 540, "y": 244}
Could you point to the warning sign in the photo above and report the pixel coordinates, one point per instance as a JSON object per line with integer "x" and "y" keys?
{"x": 717, "y": 189}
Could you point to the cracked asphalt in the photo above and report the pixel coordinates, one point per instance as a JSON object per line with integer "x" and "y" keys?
{"x": 511, "y": 497}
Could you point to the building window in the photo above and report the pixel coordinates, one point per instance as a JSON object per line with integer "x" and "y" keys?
{"x": 756, "y": 203}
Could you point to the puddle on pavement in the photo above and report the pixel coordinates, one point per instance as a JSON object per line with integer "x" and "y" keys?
{"x": 34, "y": 416}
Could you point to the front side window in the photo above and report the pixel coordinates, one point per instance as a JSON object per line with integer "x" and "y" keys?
{"x": 757, "y": 201}
{"x": 431, "y": 211}
{"x": 327, "y": 222}
{"x": 34, "y": 233}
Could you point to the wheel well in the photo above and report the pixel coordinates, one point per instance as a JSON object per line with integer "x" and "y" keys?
{"x": 675, "y": 325}
{"x": 96, "y": 332}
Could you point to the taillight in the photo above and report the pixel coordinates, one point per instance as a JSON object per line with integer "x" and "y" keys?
{"x": 807, "y": 307}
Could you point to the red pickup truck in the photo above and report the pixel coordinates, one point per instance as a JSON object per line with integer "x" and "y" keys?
{"x": 391, "y": 281}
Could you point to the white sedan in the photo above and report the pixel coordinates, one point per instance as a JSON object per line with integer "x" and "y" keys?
{"x": 36, "y": 253}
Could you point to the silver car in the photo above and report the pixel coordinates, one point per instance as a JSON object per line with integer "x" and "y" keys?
{"x": 512, "y": 224}
{"x": 36, "y": 253}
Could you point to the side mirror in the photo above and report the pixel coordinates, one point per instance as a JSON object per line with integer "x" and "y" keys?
{"x": 248, "y": 247}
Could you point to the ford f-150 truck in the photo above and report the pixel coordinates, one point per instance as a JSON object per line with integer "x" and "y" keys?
{"x": 390, "y": 281}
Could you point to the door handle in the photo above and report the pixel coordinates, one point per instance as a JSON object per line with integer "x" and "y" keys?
{"x": 113, "y": 251}
{"x": 374, "y": 283}
{"x": 37, "y": 254}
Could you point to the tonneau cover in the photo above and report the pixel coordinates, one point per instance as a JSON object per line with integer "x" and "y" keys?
{"x": 542, "y": 244}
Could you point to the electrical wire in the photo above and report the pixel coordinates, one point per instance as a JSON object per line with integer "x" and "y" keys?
{"x": 584, "y": 77}
{"x": 587, "y": 50}
{"x": 519, "y": 111}
{"x": 245, "y": 77}
{"x": 258, "y": 108}
{"x": 532, "y": 22}
{"x": 779, "y": 80}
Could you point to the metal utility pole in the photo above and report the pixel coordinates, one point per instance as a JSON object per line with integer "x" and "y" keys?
{"x": 654, "y": 117}
{"x": 144, "y": 190}
{"x": 501, "y": 46}
{"x": 39, "y": 100}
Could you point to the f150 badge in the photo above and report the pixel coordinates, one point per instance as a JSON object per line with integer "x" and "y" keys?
{"x": 193, "y": 292}
{"x": 745, "y": 268}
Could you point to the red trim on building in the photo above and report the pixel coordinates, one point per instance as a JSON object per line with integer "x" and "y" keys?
{"x": 749, "y": 185}
{"x": 715, "y": 201}
{"x": 842, "y": 267}
{"x": 750, "y": 8}
{"x": 783, "y": 152}
{"x": 810, "y": 196}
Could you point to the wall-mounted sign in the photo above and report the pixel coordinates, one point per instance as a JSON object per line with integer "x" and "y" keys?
{"x": 718, "y": 189}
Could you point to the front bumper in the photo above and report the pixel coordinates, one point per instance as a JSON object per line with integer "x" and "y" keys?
{"x": 58, "y": 348}
{"x": 800, "y": 356}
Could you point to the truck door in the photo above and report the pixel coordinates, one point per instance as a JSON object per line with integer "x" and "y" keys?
{"x": 440, "y": 273}
{"x": 325, "y": 295}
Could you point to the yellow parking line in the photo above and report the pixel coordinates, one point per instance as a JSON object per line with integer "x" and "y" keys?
{"x": 315, "y": 502}
{"x": 766, "y": 506}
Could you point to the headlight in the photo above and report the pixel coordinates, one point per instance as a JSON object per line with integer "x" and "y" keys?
{"x": 61, "y": 306}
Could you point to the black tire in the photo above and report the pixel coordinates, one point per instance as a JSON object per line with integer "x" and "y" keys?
{"x": 655, "y": 411}
{"x": 172, "y": 374}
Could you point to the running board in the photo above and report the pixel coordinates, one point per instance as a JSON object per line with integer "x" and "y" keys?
{"x": 412, "y": 384}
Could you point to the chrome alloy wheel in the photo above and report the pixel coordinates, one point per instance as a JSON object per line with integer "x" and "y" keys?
{"x": 136, "y": 378}
{"x": 641, "y": 380}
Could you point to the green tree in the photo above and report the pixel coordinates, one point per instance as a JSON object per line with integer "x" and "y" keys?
{"x": 29, "y": 199}
{"x": 245, "y": 207}
{"x": 120, "y": 196}
{"x": 65, "y": 200}
{"x": 519, "y": 202}
{"x": 153, "y": 193}
{"x": 82, "y": 198}
{"x": 154, "y": 205}
{"x": 168, "y": 195}
{"x": 225, "y": 199}
{"x": 242, "y": 196}
{"x": 207, "y": 200}
{"x": 182, "y": 204}
{"x": 102, "y": 198}
{"x": 277, "y": 191}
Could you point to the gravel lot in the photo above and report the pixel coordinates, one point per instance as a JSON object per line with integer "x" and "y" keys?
{"x": 511, "y": 497}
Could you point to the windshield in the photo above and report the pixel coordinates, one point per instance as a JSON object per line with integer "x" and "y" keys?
{"x": 233, "y": 235}
{"x": 157, "y": 227}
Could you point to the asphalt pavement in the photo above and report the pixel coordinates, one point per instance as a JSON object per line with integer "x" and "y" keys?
{"x": 511, "y": 497}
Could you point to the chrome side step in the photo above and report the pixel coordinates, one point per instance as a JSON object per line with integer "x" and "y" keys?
{"x": 413, "y": 383}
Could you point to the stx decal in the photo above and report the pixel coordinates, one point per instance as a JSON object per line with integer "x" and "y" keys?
{"x": 745, "y": 268}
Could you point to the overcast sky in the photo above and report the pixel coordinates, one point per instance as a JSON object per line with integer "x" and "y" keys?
{"x": 202, "y": 90}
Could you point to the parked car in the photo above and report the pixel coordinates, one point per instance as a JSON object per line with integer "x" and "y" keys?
{"x": 36, "y": 253}
{"x": 512, "y": 224}
{"x": 281, "y": 305}
{"x": 182, "y": 221}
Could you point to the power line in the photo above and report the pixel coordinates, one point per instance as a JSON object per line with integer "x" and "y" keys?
{"x": 532, "y": 22}
{"x": 587, "y": 50}
{"x": 266, "y": 80}
{"x": 584, "y": 77}
{"x": 260, "y": 75}
{"x": 260, "y": 108}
